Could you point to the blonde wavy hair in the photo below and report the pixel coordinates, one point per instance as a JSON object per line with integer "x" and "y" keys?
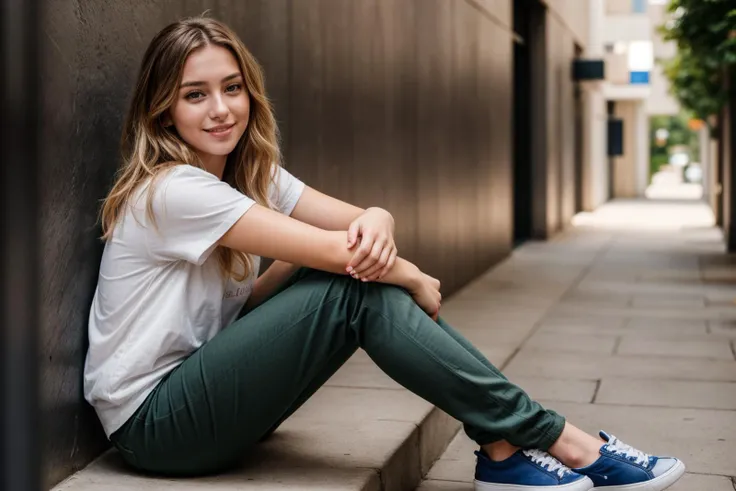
{"x": 149, "y": 147}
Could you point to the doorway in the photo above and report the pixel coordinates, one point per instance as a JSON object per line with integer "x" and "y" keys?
{"x": 579, "y": 138}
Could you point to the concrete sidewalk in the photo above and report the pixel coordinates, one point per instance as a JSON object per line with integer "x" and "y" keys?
{"x": 625, "y": 323}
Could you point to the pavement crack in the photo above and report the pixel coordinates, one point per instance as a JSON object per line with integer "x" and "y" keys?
{"x": 595, "y": 391}
{"x": 617, "y": 345}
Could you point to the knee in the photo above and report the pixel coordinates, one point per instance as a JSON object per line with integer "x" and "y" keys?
{"x": 356, "y": 288}
{"x": 385, "y": 294}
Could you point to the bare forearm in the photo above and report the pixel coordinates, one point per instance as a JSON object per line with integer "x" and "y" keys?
{"x": 269, "y": 282}
{"x": 324, "y": 211}
{"x": 291, "y": 241}
{"x": 403, "y": 274}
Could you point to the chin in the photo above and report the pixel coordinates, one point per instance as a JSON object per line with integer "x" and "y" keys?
{"x": 218, "y": 150}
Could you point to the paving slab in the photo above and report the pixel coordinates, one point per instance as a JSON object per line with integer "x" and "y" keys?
{"x": 489, "y": 337}
{"x": 646, "y": 330}
{"x": 674, "y": 301}
{"x": 723, "y": 328}
{"x": 582, "y": 320}
{"x": 668, "y": 393}
{"x": 636, "y": 288}
{"x": 709, "y": 313}
{"x": 679, "y": 326}
{"x": 583, "y": 366}
{"x": 498, "y": 355}
{"x": 552, "y": 389}
{"x": 478, "y": 317}
{"x": 445, "y": 486}
{"x": 698, "y": 482}
{"x": 718, "y": 349}
{"x": 593, "y": 299}
{"x": 571, "y": 343}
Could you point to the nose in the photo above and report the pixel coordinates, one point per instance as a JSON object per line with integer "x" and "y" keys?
{"x": 218, "y": 107}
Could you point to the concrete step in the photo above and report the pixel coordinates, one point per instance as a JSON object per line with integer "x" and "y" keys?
{"x": 360, "y": 432}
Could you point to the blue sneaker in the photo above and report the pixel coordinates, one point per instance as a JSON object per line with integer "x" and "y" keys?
{"x": 527, "y": 470}
{"x": 623, "y": 468}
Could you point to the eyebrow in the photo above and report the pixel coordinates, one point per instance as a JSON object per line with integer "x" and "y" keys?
{"x": 197, "y": 83}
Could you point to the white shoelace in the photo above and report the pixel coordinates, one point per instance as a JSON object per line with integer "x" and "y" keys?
{"x": 547, "y": 461}
{"x": 618, "y": 447}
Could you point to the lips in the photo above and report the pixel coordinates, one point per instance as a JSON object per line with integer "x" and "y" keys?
{"x": 223, "y": 128}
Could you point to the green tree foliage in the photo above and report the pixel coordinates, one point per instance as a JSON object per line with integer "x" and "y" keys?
{"x": 705, "y": 34}
{"x": 679, "y": 135}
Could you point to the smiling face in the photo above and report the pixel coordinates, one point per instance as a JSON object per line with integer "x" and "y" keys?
{"x": 212, "y": 106}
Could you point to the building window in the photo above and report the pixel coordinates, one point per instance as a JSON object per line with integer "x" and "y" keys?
{"x": 641, "y": 61}
{"x": 639, "y": 6}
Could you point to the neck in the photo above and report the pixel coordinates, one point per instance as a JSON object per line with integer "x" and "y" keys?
{"x": 215, "y": 164}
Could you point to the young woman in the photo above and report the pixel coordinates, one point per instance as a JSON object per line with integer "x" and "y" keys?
{"x": 192, "y": 360}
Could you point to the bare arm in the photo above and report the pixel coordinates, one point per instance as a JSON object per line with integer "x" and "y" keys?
{"x": 264, "y": 232}
{"x": 373, "y": 229}
{"x": 323, "y": 211}
{"x": 266, "y": 284}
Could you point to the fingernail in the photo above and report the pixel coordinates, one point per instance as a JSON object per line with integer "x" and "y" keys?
{"x": 364, "y": 280}
{"x": 349, "y": 269}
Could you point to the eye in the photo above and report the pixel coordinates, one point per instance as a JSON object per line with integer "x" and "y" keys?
{"x": 194, "y": 95}
{"x": 233, "y": 88}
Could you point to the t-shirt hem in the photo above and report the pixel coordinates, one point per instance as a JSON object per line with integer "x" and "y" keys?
{"x": 114, "y": 418}
{"x": 222, "y": 228}
{"x": 294, "y": 199}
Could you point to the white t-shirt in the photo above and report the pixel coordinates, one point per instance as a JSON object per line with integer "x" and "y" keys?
{"x": 160, "y": 293}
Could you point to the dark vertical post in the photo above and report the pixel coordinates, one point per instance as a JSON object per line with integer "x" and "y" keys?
{"x": 19, "y": 76}
{"x": 539, "y": 115}
{"x": 719, "y": 171}
{"x": 611, "y": 109}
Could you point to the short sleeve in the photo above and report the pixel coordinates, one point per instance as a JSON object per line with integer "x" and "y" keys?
{"x": 193, "y": 210}
{"x": 285, "y": 190}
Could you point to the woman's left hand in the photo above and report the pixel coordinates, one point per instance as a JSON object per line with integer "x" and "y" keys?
{"x": 374, "y": 231}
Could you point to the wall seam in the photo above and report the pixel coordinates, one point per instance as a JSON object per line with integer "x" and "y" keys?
{"x": 562, "y": 21}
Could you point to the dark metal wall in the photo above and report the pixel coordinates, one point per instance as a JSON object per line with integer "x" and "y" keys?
{"x": 19, "y": 232}
{"x": 397, "y": 103}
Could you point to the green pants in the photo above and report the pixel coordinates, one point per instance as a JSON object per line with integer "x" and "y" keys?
{"x": 254, "y": 374}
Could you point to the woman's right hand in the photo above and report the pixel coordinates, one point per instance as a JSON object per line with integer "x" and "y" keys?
{"x": 426, "y": 293}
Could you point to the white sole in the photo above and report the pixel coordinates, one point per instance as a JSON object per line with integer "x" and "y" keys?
{"x": 579, "y": 485}
{"x": 657, "y": 484}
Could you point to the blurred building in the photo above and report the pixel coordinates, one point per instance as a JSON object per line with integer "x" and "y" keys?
{"x": 635, "y": 89}
{"x": 626, "y": 37}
